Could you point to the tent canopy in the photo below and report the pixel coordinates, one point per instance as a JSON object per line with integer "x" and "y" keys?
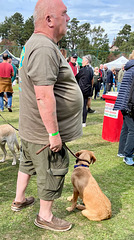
{"x": 118, "y": 63}
{"x": 79, "y": 61}
{"x": 15, "y": 60}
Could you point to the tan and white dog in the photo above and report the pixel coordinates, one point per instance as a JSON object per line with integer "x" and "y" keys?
{"x": 8, "y": 135}
{"x": 96, "y": 206}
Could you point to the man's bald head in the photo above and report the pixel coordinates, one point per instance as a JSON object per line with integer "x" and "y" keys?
{"x": 50, "y": 19}
{"x": 44, "y": 8}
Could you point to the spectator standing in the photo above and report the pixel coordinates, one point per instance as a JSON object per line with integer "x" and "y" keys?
{"x": 14, "y": 68}
{"x": 97, "y": 80}
{"x": 73, "y": 64}
{"x": 126, "y": 143}
{"x": 6, "y": 72}
{"x": 114, "y": 75}
{"x": 101, "y": 71}
{"x": 107, "y": 79}
{"x": 85, "y": 81}
{"x": 120, "y": 77}
{"x": 50, "y": 112}
{"x": 101, "y": 81}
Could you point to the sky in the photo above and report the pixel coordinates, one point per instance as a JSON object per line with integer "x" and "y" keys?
{"x": 111, "y": 15}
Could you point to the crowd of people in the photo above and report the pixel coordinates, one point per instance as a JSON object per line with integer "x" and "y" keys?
{"x": 92, "y": 80}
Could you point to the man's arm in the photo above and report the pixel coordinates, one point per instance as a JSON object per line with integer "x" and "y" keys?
{"x": 47, "y": 107}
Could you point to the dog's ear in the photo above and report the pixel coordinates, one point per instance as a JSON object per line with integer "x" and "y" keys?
{"x": 93, "y": 158}
{"x": 77, "y": 154}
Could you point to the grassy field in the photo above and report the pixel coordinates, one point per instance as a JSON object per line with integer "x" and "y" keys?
{"x": 113, "y": 176}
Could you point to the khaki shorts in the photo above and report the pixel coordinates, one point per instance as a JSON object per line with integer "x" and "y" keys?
{"x": 49, "y": 167}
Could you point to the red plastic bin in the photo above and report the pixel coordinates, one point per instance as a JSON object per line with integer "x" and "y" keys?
{"x": 112, "y": 121}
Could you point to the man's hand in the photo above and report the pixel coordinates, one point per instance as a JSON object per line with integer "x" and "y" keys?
{"x": 55, "y": 143}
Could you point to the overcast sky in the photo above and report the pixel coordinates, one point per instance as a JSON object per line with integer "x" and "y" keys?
{"x": 111, "y": 15}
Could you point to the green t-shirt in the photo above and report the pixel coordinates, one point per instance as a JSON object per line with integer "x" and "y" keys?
{"x": 15, "y": 71}
{"x": 43, "y": 64}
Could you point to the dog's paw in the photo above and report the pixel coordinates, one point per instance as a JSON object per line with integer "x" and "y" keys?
{"x": 2, "y": 160}
{"x": 70, "y": 198}
{"x": 69, "y": 209}
{"x": 80, "y": 207}
{"x": 13, "y": 163}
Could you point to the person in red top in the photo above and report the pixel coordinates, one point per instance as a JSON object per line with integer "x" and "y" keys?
{"x": 6, "y": 72}
{"x": 72, "y": 63}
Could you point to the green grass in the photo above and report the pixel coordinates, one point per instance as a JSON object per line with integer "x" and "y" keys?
{"x": 113, "y": 176}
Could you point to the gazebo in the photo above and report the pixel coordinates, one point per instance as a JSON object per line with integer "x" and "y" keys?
{"x": 117, "y": 64}
{"x": 15, "y": 60}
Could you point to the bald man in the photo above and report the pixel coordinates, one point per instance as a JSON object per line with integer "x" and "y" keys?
{"x": 50, "y": 113}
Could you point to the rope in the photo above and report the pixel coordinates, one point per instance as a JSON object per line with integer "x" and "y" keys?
{"x": 9, "y": 123}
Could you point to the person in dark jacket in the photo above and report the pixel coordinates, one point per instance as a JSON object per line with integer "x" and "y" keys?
{"x": 107, "y": 79}
{"x": 85, "y": 81}
{"x": 126, "y": 143}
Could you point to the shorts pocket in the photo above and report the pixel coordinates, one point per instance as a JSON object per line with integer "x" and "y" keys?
{"x": 57, "y": 169}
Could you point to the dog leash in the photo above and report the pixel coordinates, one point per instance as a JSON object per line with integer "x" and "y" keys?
{"x": 9, "y": 123}
{"x": 48, "y": 145}
{"x": 77, "y": 159}
{"x": 39, "y": 151}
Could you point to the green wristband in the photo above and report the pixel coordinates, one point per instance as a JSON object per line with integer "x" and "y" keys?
{"x": 54, "y": 134}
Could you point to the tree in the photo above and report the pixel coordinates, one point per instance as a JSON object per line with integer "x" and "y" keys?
{"x": 72, "y": 34}
{"x": 17, "y": 26}
{"x": 12, "y": 28}
{"x": 82, "y": 38}
{"x": 76, "y": 37}
{"x": 99, "y": 43}
{"x": 28, "y": 28}
{"x": 79, "y": 37}
{"x": 63, "y": 42}
{"x": 5, "y": 28}
{"x": 85, "y": 40}
{"x": 131, "y": 42}
{"x": 123, "y": 36}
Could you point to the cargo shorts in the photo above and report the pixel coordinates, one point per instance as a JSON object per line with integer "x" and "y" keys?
{"x": 50, "y": 168}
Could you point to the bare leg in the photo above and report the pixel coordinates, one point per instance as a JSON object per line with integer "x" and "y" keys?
{"x": 45, "y": 211}
{"x": 22, "y": 182}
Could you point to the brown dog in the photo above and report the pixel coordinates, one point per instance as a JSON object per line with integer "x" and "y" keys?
{"x": 97, "y": 205}
{"x": 8, "y": 135}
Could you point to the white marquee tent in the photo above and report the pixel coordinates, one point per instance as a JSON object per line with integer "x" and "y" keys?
{"x": 117, "y": 64}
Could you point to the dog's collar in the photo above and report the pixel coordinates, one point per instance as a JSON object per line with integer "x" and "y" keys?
{"x": 78, "y": 160}
{"x": 81, "y": 165}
